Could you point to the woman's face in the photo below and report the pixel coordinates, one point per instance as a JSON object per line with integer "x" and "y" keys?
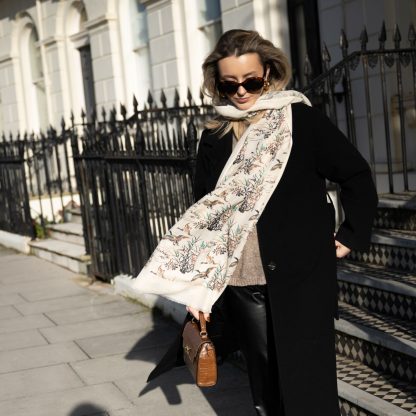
{"x": 238, "y": 69}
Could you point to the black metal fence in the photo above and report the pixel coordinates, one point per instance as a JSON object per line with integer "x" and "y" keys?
{"x": 371, "y": 95}
{"x": 134, "y": 176}
{"x": 14, "y": 199}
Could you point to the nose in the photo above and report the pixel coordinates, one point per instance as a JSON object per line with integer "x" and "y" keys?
{"x": 241, "y": 90}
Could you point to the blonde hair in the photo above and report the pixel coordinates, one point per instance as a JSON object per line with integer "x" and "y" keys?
{"x": 238, "y": 42}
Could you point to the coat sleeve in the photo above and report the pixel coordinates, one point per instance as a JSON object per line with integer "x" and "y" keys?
{"x": 202, "y": 166}
{"x": 339, "y": 161}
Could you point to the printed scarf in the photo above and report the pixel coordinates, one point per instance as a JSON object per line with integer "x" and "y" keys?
{"x": 194, "y": 261}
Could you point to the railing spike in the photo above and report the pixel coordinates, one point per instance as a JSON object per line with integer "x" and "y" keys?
{"x": 307, "y": 69}
{"x": 343, "y": 43}
{"x": 72, "y": 118}
{"x": 135, "y": 104}
{"x": 163, "y": 98}
{"x": 189, "y": 97}
{"x": 412, "y": 36}
{"x": 103, "y": 113}
{"x": 383, "y": 35}
{"x": 364, "y": 39}
{"x": 62, "y": 123}
{"x": 326, "y": 56}
{"x": 123, "y": 111}
{"x": 150, "y": 99}
{"x": 397, "y": 37}
{"x": 201, "y": 96}
{"x": 83, "y": 115}
{"x": 176, "y": 99}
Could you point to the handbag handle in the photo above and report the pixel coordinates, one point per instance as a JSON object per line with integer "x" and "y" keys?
{"x": 203, "y": 325}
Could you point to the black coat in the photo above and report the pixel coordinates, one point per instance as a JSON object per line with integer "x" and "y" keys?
{"x": 298, "y": 254}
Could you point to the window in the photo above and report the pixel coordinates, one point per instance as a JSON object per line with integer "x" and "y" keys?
{"x": 209, "y": 18}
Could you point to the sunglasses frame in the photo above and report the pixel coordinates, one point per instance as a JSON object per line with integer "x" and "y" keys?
{"x": 241, "y": 84}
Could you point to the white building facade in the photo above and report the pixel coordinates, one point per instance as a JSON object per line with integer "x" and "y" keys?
{"x": 67, "y": 55}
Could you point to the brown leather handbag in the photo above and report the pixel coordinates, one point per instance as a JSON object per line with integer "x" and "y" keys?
{"x": 199, "y": 352}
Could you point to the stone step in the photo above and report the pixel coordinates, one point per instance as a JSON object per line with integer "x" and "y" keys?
{"x": 397, "y": 211}
{"x": 364, "y": 391}
{"x": 395, "y": 249}
{"x": 74, "y": 215}
{"x": 383, "y": 343}
{"x": 377, "y": 289}
{"x": 373, "y": 393}
{"x": 68, "y": 231}
{"x": 68, "y": 255}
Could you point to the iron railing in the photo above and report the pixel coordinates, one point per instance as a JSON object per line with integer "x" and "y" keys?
{"x": 14, "y": 199}
{"x": 368, "y": 94}
{"x": 134, "y": 176}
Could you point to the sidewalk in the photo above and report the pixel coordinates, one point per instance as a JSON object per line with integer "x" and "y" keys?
{"x": 72, "y": 348}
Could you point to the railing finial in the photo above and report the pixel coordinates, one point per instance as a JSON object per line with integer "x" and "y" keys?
{"x": 412, "y": 36}
{"x": 326, "y": 56}
{"x": 163, "y": 99}
{"x": 364, "y": 39}
{"x": 176, "y": 99}
{"x": 397, "y": 37}
{"x": 123, "y": 111}
{"x": 150, "y": 99}
{"x": 383, "y": 36}
{"x": 189, "y": 97}
{"x": 135, "y": 104}
{"x": 343, "y": 43}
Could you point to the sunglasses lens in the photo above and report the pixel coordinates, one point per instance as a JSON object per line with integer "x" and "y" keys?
{"x": 228, "y": 87}
{"x": 253, "y": 84}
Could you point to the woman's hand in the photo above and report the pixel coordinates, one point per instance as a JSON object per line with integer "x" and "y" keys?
{"x": 341, "y": 250}
{"x": 195, "y": 313}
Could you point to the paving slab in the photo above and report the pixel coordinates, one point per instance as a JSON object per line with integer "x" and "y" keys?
{"x": 21, "y": 339}
{"x": 41, "y": 356}
{"x": 24, "y": 322}
{"x": 11, "y": 299}
{"x": 97, "y": 327}
{"x": 9, "y": 311}
{"x": 37, "y": 381}
{"x": 139, "y": 365}
{"x": 46, "y": 289}
{"x": 81, "y": 401}
{"x": 93, "y": 311}
{"x": 141, "y": 338}
{"x": 175, "y": 391}
{"x": 65, "y": 303}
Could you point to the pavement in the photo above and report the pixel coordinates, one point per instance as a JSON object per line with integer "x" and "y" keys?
{"x": 69, "y": 346}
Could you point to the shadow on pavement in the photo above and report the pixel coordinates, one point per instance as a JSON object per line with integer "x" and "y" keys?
{"x": 88, "y": 409}
{"x": 230, "y": 397}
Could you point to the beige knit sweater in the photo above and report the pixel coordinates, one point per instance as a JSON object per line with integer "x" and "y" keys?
{"x": 249, "y": 270}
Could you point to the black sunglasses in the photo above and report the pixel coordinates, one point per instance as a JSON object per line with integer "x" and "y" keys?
{"x": 251, "y": 85}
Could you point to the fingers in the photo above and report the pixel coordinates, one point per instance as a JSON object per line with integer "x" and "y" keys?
{"x": 341, "y": 250}
{"x": 195, "y": 313}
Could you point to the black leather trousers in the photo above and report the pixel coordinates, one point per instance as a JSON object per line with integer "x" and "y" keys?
{"x": 250, "y": 315}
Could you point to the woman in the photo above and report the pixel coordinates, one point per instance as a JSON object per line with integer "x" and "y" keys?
{"x": 257, "y": 252}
